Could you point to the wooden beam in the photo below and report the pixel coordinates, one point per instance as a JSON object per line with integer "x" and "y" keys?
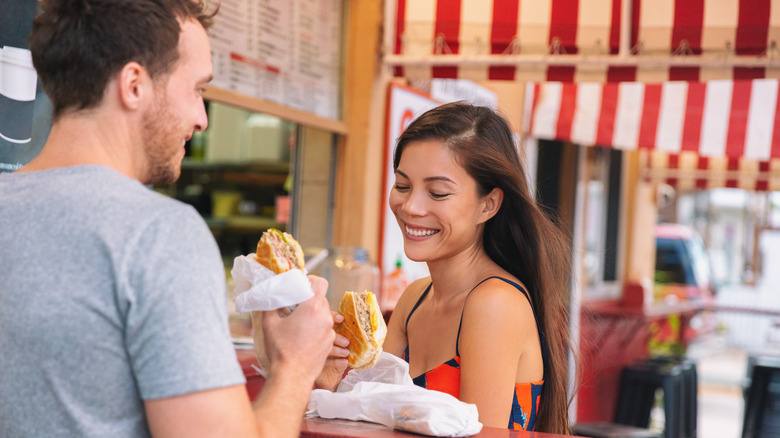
{"x": 275, "y": 109}
{"x": 360, "y": 155}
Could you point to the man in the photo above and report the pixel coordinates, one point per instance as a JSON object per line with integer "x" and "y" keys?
{"x": 112, "y": 297}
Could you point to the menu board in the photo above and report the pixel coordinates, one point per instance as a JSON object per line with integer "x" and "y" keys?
{"x": 284, "y": 51}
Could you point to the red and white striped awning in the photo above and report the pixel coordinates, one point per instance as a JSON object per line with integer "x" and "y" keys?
{"x": 714, "y": 119}
{"x": 684, "y": 79}
{"x": 688, "y": 170}
{"x": 585, "y": 40}
{"x": 725, "y": 133}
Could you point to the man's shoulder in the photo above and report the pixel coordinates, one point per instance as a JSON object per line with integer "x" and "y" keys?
{"x": 105, "y": 195}
{"x": 125, "y": 192}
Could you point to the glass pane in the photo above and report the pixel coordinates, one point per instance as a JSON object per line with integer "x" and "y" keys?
{"x": 594, "y": 221}
{"x": 238, "y": 175}
{"x": 596, "y": 186}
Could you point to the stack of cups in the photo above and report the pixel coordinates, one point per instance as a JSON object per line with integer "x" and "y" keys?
{"x": 18, "y": 82}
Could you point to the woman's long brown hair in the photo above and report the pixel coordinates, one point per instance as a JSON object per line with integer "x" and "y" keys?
{"x": 520, "y": 237}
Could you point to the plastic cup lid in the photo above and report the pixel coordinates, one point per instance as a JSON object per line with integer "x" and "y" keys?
{"x": 15, "y": 55}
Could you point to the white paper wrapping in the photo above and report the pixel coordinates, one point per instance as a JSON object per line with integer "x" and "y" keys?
{"x": 388, "y": 369}
{"x": 386, "y": 394}
{"x": 258, "y": 288}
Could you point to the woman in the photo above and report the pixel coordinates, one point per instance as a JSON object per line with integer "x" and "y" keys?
{"x": 490, "y": 324}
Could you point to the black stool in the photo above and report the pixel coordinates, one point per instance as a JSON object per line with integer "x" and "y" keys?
{"x": 690, "y": 397}
{"x": 678, "y": 381}
{"x": 612, "y": 430}
{"x": 762, "y": 400}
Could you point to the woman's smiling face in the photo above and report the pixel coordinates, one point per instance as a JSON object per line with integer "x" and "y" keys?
{"x": 435, "y": 202}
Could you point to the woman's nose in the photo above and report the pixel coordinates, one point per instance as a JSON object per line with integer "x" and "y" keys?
{"x": 414, "y": 204}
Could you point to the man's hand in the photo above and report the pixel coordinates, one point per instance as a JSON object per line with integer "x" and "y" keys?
{"x": 300, "y": 342}
{"x": 336, "y": 363}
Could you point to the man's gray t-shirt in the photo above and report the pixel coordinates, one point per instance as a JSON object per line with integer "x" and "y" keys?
{"x": 109, "y": 294}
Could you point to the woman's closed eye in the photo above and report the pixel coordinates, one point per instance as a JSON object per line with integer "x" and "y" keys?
{"x": 405, "y": 188}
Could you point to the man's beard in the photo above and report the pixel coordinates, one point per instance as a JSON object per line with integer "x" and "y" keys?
{"x": 159, "y": 136}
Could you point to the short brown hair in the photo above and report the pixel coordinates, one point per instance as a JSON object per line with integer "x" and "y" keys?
{"x": 78, "y": 45}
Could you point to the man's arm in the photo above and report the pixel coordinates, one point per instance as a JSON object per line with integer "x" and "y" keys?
{"x": 297, "y": 347}
{"x": 277, "y": 412}
{"x": 212, "y": 413}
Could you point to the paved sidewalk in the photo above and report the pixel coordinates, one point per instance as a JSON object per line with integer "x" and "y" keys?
{"x": 721, "y": 370}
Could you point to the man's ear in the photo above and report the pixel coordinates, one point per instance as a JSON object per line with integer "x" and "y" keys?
{"x": 491, "y": 203}
{"x": 132, "y": 83}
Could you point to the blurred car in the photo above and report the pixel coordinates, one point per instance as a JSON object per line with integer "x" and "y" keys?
{"x": 682, "y": 266}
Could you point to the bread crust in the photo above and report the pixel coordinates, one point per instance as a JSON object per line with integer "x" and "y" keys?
{"x": 364, "y": 347}
{"x": 279, "y": 251}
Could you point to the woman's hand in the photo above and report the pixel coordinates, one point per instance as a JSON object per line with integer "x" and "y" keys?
{"x": 336, "y": 363}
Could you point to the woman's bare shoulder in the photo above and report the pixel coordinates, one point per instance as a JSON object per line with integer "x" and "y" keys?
{"x": 495, "y": 297}
{"x": 496, "y": 315}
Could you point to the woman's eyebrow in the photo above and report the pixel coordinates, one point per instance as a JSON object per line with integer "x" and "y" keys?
{"x": 438, "y": 178}
{"x": 428, "y": 179}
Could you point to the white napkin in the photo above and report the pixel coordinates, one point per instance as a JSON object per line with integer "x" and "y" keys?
{"x": 388, "y": 369}
{"x": 258, "y": 288}
{"x": 385, "y": 394}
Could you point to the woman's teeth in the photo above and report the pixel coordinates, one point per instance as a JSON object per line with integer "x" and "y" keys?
{"x": 420, "y": 233}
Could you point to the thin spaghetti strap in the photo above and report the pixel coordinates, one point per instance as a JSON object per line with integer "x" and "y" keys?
{"x": 419, "y": 300}
{"x": 521, "y": 289}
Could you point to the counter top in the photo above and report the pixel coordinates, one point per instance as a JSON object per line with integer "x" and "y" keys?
{"x": 316, "y": 427}
{"x": 618, "y": 309}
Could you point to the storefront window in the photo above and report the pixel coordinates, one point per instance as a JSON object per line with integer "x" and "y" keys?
{"x": 601, "y": 226}
{"x": 251, "y": 171}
